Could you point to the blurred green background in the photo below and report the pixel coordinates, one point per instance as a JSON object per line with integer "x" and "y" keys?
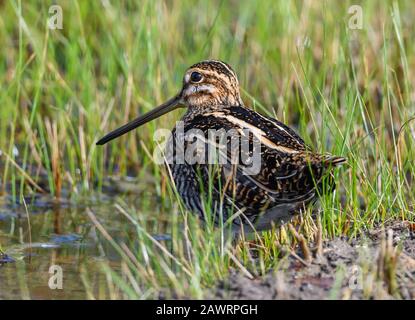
{"x": 346, "y": 91}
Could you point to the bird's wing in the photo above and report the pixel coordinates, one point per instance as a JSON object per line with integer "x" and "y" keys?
{"x": 275, "y": 130}
{"x": 288, "y": 171}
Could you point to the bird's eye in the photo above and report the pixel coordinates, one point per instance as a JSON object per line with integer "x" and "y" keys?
{"x": 196, "y": 77}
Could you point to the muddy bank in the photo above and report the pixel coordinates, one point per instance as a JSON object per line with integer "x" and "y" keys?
{"x": 377, "y": 265}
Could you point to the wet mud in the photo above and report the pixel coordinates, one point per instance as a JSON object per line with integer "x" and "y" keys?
{"x": 378, "y": 265}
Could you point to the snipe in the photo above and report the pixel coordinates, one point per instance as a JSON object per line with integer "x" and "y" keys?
{"x": 290, "y": 175}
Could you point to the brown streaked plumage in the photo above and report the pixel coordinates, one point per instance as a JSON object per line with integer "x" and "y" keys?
{"x": 290, "y": 175}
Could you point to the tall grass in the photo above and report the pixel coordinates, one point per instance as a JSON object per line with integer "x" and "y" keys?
{"x": 348, "y": 92}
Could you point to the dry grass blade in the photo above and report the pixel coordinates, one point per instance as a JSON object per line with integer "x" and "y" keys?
{"x": 23, "y": 173}
{"x": 157, "y": 243}
{"x": 303, "y": 244}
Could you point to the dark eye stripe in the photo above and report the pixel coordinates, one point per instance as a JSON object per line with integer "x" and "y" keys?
{"x": 196, "y": 77}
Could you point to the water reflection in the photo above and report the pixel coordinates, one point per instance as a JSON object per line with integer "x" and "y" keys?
{"x": 59, "y": 234}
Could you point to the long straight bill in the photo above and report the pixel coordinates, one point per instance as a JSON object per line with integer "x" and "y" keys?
{"x": 153, "y": 114}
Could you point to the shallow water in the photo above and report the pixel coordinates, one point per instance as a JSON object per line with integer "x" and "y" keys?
{"x": 62, "y": 234}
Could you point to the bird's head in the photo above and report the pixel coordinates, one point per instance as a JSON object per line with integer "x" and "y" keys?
{"x": 209, "y": 83}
